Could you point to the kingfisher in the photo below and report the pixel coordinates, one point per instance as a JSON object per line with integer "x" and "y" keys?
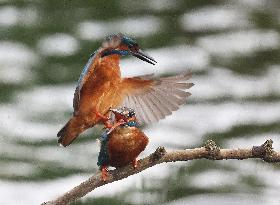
{"x": 122, "y": 142}
{"x": 101, "y": 87}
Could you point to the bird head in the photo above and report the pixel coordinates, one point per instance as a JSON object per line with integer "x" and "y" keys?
{"x": 124, "y": 113}
{"x": 122, "y": 45}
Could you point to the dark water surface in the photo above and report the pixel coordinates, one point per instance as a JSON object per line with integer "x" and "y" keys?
{"x": 233, "y": 49}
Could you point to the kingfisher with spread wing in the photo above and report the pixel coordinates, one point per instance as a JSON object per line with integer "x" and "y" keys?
{"x": 101, "y": 87}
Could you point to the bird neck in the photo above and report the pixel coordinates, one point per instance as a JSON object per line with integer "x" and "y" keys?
{"x": 114, "y": 60}
{"x": 132, "y": 123}
{"x": 110, "y": 68}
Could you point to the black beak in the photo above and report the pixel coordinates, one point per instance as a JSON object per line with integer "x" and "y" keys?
{"x": 144, "y": 57}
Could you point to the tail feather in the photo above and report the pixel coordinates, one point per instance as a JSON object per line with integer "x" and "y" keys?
{"x": 70, "y": 131}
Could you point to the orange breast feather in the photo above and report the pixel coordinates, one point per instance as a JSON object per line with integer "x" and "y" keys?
{"x": 125, "y": 144}
{"x": 101, "y": 90}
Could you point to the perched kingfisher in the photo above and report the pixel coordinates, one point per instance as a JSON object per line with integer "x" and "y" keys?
{"x": 122, "y": 142}
{"x": 100, "y": 87}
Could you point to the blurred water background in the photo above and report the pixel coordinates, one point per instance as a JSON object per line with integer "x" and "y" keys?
{"x": 233, "y": 49}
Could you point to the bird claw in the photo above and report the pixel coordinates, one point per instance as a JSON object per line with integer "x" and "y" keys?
{"x": 104, "y": 173}
{"x": 135, "y": 163}
{"x": 107, "y": 124}
{"x": 121, "y": 122}
{"x": 104, "y": 119}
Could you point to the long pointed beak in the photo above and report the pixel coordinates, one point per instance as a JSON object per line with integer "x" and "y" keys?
{"x": 144, "y": 57}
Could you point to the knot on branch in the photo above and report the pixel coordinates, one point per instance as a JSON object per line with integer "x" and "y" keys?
{"x": 265, "y": 151}
{"x": 213, "y": 149}
{"x": 159, "y": 153}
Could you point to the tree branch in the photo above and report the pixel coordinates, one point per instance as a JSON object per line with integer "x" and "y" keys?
{"x": 210, "y": 151}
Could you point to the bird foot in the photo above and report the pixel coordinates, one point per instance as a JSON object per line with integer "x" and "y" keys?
{"x": 135, "y": 163}
{"x": 107, "y": 124}
{"x": 104, "y": 173}
{"x": 103, "y": 118}
{"x": 120, "y": 122}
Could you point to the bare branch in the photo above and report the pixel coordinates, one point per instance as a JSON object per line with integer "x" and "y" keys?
{"x": 210, "y": 151}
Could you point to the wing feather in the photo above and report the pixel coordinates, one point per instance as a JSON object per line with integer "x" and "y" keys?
{"x": 140, "y": 107}
{"x": 160, "y": 104}
{"x": 152, "y": 99}
{"x": 157, "y": 112}
{"x": 149, "y": 109}
{"x": 166, "y": 97}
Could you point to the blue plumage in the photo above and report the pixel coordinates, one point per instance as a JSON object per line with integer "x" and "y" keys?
{"x": 125, "y": 40}
{"x": 132, "y": 124}
{"x": 119, "y": 52}
{"x": 80, "y": 83}
{"x": 103, "y": 157}
{"x": 128, "y": 41}
{"x": 85, "y": 71}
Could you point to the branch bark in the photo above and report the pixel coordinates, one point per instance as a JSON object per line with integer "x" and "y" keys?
{"x": 210, "y": 151}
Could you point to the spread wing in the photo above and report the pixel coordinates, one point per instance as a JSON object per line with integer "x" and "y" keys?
{"x": 87, "y": 70}
{"x": 152, "y": 99}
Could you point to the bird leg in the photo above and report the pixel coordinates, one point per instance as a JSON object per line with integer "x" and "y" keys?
{"x": 108, "y": 124}
{"x": 135, "y": 163}
{"x": 103, "y": 118}
{"x": 104, "y": 173}
{"x": 120, "y": 122}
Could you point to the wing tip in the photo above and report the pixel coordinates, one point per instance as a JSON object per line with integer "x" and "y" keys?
{"x": 191, "y": 85}
{"x": 188, "y": 94}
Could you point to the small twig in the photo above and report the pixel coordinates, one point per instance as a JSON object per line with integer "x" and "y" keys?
{"x": 209, "y": 151}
